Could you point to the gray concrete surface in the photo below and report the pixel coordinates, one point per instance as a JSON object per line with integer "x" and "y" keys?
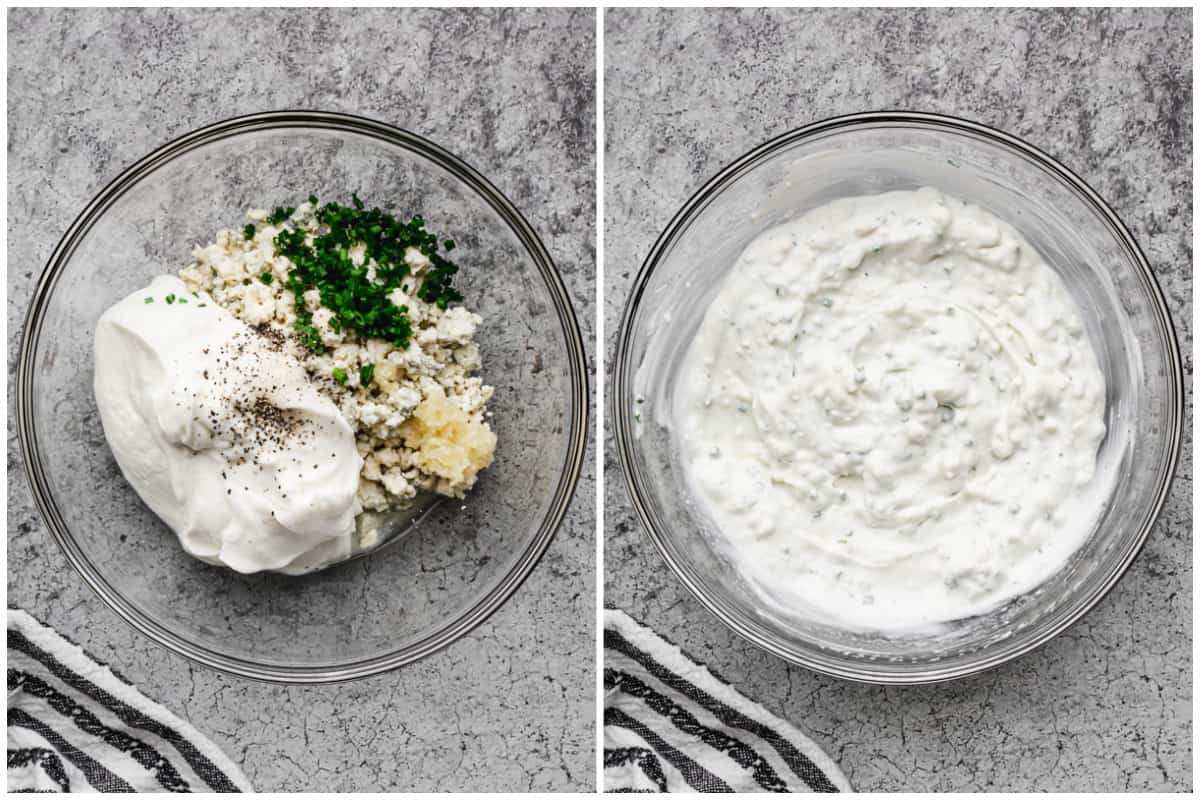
{"x": 1108, "y": 705}
{"x": 511, "y": 707}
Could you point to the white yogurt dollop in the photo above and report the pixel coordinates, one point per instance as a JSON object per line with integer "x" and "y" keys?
{"x": 892, "y": 412}
{"x": 223, "y": 435}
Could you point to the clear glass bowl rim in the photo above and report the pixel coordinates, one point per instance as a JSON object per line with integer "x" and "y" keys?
{"x": 576, "y": 427}
{"x": 624, "y": 371}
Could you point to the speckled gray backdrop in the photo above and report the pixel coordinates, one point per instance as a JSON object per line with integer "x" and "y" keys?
{"x": 511, "y": 707}
{"x": 1108, "y": 705}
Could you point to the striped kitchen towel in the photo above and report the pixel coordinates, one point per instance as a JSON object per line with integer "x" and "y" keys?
{"x": 74, "y": 726}
{"x": 671, "y": 726}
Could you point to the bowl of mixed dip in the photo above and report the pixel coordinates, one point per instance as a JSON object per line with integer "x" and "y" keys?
{"x": 897, "y": 396}
{"x": 302, "y": 397}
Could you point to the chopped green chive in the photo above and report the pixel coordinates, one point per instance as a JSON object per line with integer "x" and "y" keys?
{"x": 183, "y": 299}
{"x": 357, "y": 303}
{"x": 266, "y": 278}
{"x": 365, "y": 373}
{"x": 149, "y": 299}
{"x": 340, "y": 375}
{"x": 170, "y": 299}
{"x": 248, "y": 232}
{"x": 280, "y": 215}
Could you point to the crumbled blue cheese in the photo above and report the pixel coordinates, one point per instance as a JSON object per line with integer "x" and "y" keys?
{"x": 441, "y": 355}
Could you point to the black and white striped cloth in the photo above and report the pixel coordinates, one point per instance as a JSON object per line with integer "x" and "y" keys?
{"x": 671, "y": 726}
{"x": 74, "y": 726}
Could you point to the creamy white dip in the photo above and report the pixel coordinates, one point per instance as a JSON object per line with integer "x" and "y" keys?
{"x": 223, "y": 434}
{"x": 892, "y": 413}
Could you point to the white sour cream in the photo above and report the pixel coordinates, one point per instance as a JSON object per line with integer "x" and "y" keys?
{"x": 892, "y": 412}
{"x": 223, "y": 435}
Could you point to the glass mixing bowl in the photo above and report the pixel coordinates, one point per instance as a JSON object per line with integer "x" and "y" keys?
{"x": 445, "y": 569}
{"x": 1078, "y": 235}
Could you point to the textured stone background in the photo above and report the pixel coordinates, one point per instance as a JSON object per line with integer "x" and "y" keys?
{"x": 1108, "y": 705}
{"x": 512, "y": 706}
